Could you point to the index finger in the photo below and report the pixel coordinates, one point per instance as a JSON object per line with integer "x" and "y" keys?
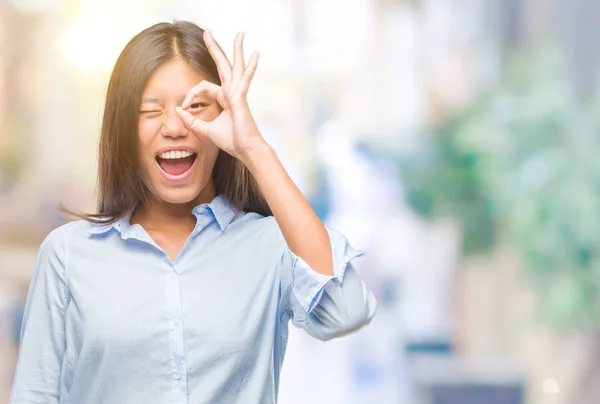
{"x": 223, "y": 65}
{"x": 205, "y": 87}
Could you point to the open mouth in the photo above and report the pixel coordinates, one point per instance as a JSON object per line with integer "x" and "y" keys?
{"x": 176, "y": 163}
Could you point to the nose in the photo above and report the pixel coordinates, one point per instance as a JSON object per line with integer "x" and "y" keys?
{"x": 173, "y": 125}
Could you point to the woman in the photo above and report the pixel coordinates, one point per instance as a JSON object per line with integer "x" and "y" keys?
{"x": 180, "y": 289}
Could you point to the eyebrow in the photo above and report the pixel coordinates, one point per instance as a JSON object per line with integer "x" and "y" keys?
{"x": 151, "y": 100}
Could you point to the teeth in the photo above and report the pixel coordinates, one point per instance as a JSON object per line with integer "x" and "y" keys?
{"x": 179, "y": 154}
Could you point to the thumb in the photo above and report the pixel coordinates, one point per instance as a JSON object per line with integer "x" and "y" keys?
{"x": 191, "y": 122}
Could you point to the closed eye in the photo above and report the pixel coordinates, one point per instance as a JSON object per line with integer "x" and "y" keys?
{"x": 150, "y": 112}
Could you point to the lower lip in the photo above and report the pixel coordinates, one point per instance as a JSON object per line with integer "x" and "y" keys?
{"x": 178, "y": 178}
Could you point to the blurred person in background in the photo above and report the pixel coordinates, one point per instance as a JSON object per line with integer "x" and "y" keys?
{"x": 181, "y": 286}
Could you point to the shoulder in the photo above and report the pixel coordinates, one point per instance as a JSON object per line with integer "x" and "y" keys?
{"x": 60, "y": 237}
{"x": 261, "y": 229}
{"x": 256, "y": 222}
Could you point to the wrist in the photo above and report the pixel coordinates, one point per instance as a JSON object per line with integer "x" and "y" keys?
{"x": 257, "y": 154}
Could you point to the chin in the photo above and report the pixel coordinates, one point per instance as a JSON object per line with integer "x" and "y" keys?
{"x": 179, "y": 196}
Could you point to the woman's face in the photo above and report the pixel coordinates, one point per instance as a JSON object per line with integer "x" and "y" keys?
{"x": 176, "y": 163}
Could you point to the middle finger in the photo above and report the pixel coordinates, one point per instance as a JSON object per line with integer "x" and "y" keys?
{"x": 239, "y": 64}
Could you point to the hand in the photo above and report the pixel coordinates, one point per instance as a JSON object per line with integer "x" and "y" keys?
{"x": 234, "y": 130}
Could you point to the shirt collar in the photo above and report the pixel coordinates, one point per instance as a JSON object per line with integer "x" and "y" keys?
{"x": 121, "y": 225}
{"x": 219, "y": 207}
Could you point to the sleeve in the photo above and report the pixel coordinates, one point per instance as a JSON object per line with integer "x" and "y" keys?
{"x": 42, "y": 346}
{"x": 326, "y": 306}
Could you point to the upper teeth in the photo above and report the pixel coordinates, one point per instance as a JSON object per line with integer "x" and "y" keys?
{"x": 175, "y": 154}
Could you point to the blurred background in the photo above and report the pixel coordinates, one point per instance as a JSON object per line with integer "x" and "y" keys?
{"x": 454, "y": 141}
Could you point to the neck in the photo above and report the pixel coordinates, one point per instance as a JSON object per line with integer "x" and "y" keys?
{"x": 158, "y": 214}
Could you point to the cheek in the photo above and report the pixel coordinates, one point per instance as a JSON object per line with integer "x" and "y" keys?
{"x": 208, "y": 157}
{"x": 209, "y": 152}
{"x": 147, "y": 129}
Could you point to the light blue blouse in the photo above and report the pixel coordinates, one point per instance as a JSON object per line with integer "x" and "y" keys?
{"x": 111, "y": 319}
